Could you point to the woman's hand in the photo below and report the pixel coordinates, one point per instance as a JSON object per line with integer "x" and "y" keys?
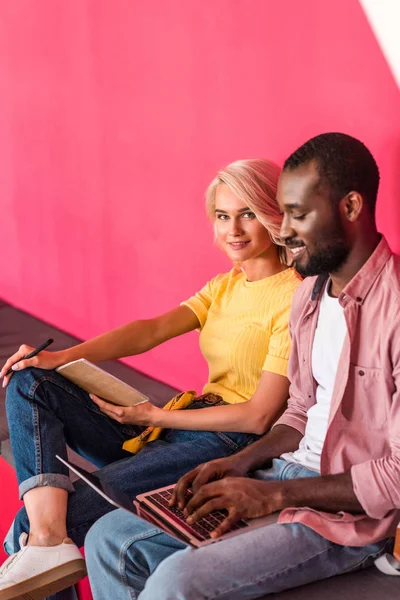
{"x": 141, "y": 414}
{"x": 43, "y": 360}
{"x": 230, "y": 466}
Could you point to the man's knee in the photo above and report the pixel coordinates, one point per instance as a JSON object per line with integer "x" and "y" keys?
{"x": 109, "y": 532}
{"x": 176, "y": 578}
{"x": 95, "y": 541}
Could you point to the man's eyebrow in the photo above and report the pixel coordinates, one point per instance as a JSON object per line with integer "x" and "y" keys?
{"x": 292, "y": 205}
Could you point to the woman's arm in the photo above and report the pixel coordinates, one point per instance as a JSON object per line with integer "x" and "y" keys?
{"x": 255, "y": 416}
{"x": 133, "y": 338}
{"x": 136, "y": 337}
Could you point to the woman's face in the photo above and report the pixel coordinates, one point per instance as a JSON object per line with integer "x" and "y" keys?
{"x": 238, "y": 231}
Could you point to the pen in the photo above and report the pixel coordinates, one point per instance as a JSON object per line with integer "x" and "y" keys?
{"x": 33, "y": 353}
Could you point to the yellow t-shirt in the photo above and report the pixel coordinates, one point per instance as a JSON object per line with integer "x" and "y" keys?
{"x": 244, "y": 330}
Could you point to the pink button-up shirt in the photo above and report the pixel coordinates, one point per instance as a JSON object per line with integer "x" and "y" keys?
{"x": 363, "y": 433}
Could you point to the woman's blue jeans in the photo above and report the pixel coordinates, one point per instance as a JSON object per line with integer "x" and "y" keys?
{"x": 46, "y": 412}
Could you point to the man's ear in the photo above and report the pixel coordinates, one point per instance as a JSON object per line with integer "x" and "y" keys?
{"x": 352, "y": 205}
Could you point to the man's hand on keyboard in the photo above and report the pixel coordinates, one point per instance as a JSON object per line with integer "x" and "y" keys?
{"x": 243, "y": 498}
{"x": 210, "y": 471}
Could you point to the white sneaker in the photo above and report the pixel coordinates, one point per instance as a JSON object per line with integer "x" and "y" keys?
{"x": 387, "y": 564}
{"x": 36, "y": 572}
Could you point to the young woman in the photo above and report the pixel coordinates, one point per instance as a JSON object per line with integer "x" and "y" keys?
{"x": 243, "y": 320}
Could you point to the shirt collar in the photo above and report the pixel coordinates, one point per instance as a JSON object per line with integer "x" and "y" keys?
{"x": 358, "y": 287}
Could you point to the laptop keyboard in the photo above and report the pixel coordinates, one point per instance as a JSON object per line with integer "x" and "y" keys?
{"x": 204, "y": 526}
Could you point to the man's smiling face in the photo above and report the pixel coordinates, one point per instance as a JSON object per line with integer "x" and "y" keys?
{"x": 312, "y": 227}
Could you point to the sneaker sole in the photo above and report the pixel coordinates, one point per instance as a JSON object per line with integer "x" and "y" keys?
{"x": 47, "y": 583}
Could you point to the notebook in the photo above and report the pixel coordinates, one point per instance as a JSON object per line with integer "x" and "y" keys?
{"x": 153, "y": 508}
{"x": 94, "y": 380}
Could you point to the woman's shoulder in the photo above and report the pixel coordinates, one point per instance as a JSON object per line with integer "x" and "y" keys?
{"x": 223, "y": 281}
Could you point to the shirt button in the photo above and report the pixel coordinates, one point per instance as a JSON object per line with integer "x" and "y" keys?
{"x": 358, "y": 299}
{"x": 361, "y": 373}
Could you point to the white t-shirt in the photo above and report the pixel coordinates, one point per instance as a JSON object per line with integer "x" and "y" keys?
{"x": 327, "y": 347}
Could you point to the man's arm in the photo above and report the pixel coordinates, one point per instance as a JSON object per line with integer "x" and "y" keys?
{"x": 280, "y": 439}
{"x": 331, "y": 493}
{"x": 246, "y": 498}
{"x": 255, "y": 456}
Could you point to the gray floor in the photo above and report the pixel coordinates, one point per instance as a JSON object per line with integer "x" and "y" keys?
{"x": 16, "y": 327}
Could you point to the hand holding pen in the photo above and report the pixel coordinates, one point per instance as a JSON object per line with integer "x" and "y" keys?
{"x": 24, "y": 358}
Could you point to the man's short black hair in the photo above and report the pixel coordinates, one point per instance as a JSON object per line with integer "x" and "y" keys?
{"x": 344, "y": 164}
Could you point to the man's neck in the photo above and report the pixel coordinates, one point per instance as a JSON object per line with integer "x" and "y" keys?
{"x": 359, "y": 254}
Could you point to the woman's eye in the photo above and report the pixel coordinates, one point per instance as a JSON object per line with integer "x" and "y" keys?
{"x": 299, "y": 218}
{"x": 249, "y": 215}
{"x": 222, "y": 217}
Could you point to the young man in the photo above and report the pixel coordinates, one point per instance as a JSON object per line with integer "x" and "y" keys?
{"x": 341, "y": 427}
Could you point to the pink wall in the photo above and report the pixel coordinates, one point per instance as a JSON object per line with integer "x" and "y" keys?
{"x": 114, "y": 116}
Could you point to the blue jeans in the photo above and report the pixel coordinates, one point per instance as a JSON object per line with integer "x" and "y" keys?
{"x": 46, "y": 413}
{"x": 128, "y": 558}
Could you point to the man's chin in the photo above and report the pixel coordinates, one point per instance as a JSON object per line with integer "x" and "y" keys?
{"x": 306, "y": 269}
{"x": 300, "y": 267}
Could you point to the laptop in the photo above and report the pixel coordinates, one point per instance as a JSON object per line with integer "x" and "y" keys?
{"x": 153, "y": 507}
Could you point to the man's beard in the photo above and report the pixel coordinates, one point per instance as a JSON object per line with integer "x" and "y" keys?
{"x": 327, "y": 260}
{"x": 327, "y": 257}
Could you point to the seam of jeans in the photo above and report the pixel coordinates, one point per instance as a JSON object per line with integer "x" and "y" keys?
{"x": 38, "y": 444}
{"x": 227, "y": 440}
{"x": 65, "y": 388}
{"x": 123, "y": 552}
{"x": 271, "y": 576}
{"x": 371, "y": 556}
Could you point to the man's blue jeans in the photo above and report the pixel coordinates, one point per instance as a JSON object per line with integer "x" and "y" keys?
{"x": 46, "y": 412}
{"x": 128, "y": 558}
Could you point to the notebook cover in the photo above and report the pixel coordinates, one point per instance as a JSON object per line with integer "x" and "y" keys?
{"x": 104, "y": 385}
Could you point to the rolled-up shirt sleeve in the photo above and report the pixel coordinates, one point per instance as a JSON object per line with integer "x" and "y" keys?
{"x": 277, "y": 357}
{"x": 296, "y": 413}
{"x": 200, "y": 303}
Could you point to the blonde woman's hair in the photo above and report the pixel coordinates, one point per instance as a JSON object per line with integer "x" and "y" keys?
{"x": 255, "y": 182}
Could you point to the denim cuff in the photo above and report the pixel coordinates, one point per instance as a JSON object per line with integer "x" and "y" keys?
{"x": 8, "y": 543}
{"x": 46, "y": 479}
